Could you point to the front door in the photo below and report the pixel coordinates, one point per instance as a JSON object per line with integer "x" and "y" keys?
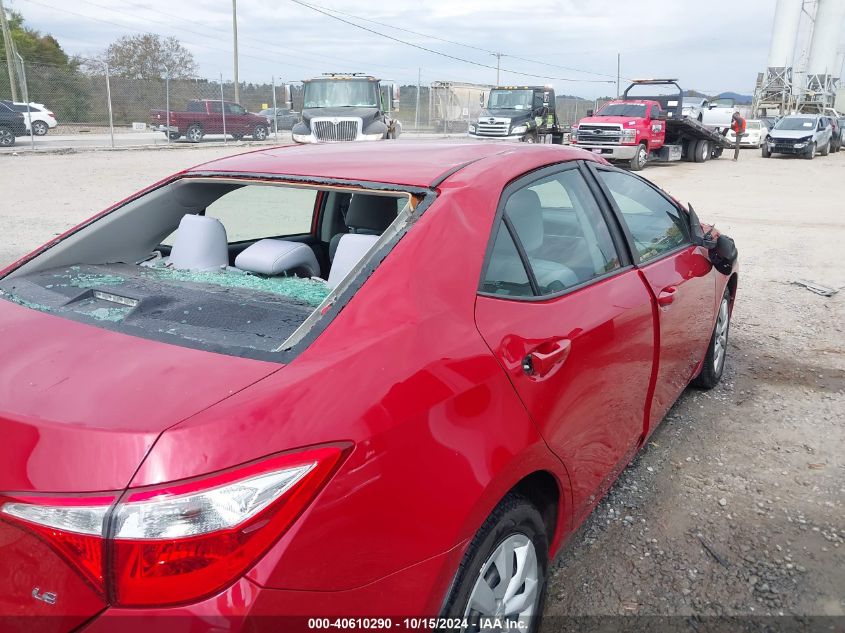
{"x": 679, "y": 275}
{"x": 571, "y": 322}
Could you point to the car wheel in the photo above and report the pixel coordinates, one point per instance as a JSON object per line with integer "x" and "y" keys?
{"x": 174, "y": 136}
{"x": 238, "y": 137}
{"x": 826, "y": 149}
{"x": 7, "y": 138}
{"x": 194, "y": 133}
{"x": 40, "y": 128}
{"x": 714, "y": 359}
{"x": 503, "y": 573}
{"x": 640, "y": 158}
{"x": 767, "y": 153}
{"x": 811, "y": 152}
{"x": 700, "y": 117}
{"x": 259, "y": 133}
{"x": 702, "y": 151}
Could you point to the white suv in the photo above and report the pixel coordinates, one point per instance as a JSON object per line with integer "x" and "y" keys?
{"x": 802, "y": 134}
{"x": 42, "y": 119}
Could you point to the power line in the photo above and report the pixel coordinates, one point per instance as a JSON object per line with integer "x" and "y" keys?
{"x": 312, "y": 63}
{"x": 470, "y": 46}
{"x": 442, "y": 54}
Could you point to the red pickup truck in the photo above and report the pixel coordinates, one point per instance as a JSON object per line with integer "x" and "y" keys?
{"x": 205, "y": 116}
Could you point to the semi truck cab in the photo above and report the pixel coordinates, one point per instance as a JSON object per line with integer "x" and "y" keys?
{"x": 340, "y": 107}
{"x": 526, "y": 113}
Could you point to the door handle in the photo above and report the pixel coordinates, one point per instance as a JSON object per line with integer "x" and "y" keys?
{"x": 545, "y": 357}
{"x": 666, "y": 296}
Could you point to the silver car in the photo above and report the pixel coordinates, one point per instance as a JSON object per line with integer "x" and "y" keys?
{"x": 694, "y": 107}
{"x": 799, "y": 134}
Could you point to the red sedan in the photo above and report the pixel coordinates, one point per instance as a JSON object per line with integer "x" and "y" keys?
{"x": 340, "y": 381}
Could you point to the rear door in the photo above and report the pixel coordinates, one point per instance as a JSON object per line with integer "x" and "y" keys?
{"x": 680, "y": 277}
{"x": 571, "y": 322}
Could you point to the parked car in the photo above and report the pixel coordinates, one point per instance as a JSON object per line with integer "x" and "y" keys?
{"x": 213, "y": 434}
{"x": 207, "y": 116}
{"x": 42, "y": 119}
{"x": 799, "y": 134}
{"x": 694, "y": 107}
{"x": 12, "y": 124}
{"x": 718, "y": 113}
{"x": 286, "y": 118}
{"x": 836, "y": 134}
{"x": 755, "y": 134}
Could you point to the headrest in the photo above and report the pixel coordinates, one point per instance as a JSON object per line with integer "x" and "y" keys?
{"x": 200, "y": 244}
{"x": 526, "y": 214}
{"x": 373, "y": 213}
{"x": 275, "y": 257}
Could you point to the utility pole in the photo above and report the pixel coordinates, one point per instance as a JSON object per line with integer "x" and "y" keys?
{"x": 235, "y": 40}
{"x": 498, "y": 66}
{"x": 618, "y": 71}
{"x": 417, "y": 113}
{"x": 10, "y": 50}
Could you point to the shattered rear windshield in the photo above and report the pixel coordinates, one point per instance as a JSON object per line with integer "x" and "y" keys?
{"x": 219, "y": 308}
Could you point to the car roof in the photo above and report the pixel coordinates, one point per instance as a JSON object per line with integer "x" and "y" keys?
{"x": 419, "y": 164}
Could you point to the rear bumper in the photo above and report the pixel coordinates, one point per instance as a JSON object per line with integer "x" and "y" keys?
{"x": 610, "y": 152}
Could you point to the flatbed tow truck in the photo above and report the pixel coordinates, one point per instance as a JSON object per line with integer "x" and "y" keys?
{"x": 650, "y": 128}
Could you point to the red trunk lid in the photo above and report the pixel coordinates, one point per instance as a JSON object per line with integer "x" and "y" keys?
{"x": 80, "y": 407}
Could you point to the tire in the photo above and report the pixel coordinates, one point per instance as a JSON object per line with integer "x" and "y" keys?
{"x": 7, "y": 137}
{"x": 702, "y": 151}
{"x": 174, "y": 136}
{"x": 700, "y": 117}
{"x": 481, "y": 580}
{"x": 765, "y": 151}
{"x": 640, "y": 158}
{"x": 238, "y": 137}
{"x": 826, "y": 149}
{"x": 717, "y": 152}
{"x": 260, "y": 133}
{"x": 40, "y": 128}
{"x": 811, "y": 152}
{"x": 717, "y": 349}
{"x": 194, "y": 133}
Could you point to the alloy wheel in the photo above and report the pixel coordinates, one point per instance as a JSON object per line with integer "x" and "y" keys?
{"x": 6, "y": 138}
{"x": 721, "y": 340}
{"x": 508, "y": 585}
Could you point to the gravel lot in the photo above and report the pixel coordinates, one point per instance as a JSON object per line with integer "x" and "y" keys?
{"x": 737, "y": 505}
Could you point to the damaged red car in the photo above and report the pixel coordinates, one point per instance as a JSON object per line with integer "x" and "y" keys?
{"x": 340, "y": 382}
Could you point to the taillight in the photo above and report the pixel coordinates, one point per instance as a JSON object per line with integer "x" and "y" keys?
{"x": 180, "y": 542}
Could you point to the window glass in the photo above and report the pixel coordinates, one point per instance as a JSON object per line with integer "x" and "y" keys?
{"x": 506, "y": 274}
{"x": 562, "y": 231}
{"x": 257, "y": 211}
{"x": 234, "y": 109}
{"x": 654, "y": 222}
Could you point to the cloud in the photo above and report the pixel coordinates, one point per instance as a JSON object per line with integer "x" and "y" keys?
{"x": 712, "y": 46}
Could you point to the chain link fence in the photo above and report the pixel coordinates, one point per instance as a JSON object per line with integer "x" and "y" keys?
{"x": 84, "y": 101}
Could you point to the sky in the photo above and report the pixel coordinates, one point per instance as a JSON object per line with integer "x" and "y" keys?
{"x": 713, "y": 46}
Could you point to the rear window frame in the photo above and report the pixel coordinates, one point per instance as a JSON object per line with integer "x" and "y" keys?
{"x": 421, "y": 199}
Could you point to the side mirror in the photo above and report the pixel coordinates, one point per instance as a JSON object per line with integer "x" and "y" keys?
{"x": 697, "y": 233}
{"x": 481, "y": 99}
{"x": 288, "y": 97}
{"x": 590, "y": 112}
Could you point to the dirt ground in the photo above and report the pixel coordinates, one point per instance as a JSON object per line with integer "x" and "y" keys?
{"x": 737, "y": 505}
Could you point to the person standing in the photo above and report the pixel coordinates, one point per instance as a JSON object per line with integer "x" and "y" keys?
{"x": 738, "y": 126}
